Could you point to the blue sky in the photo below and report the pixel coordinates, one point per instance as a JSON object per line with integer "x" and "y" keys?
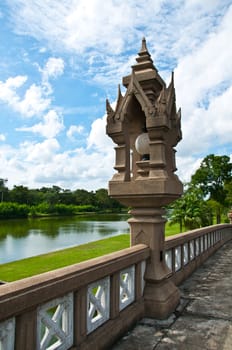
{"x": 60, "y": 60}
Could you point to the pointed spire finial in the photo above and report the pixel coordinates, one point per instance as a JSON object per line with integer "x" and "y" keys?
{"x": 172, "y": 78}
{"x": 144, "y": 58}
{"x": 144, "y": 46}
{"x": 144, "y": 51}
{"x": 171, "y": 84}
{"x": 119, "y": 98}
{"x": 109, "y": 110}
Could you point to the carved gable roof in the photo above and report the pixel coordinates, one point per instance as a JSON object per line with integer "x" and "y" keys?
{"x": 146, "y": 96}
{"x": 134, "y": 89}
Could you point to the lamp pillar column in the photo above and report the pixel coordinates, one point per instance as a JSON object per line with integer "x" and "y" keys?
{"x": 161, "y": 296}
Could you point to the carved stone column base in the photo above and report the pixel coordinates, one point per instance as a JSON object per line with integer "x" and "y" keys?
{"x": 160, "y": 299}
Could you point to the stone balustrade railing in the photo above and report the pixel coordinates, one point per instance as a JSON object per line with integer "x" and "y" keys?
{"x": 186, "y": 252}
{"x": 89, "y": 305}
{"x": 83, "y": 306}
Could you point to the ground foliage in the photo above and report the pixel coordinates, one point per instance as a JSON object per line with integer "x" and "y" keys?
{"x": 207, "y": 197}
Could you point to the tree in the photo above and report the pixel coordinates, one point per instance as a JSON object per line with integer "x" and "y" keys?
{"x": 67, "y": 197}
{"x": 211, "y": 177}
{"x": 20, "y": 194}
{"x": 84, "y": 197}
{"x": 51, "y": 195}
{"x": 102, "y": 199}
{"x": 191, "y": 210}
{"x": 228, "y": 188}
{"x": 105, "y": 202}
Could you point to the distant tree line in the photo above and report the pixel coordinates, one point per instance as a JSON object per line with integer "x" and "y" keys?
{"x": 22, "y": 201}
{"x": 206, "y": 200}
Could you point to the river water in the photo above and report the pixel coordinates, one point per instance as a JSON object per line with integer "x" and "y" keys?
{"x": 23, "y": 238}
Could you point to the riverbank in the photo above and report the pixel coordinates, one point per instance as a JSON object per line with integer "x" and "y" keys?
{"x": 24, "y": 238}
{"x": 28, "y": 267}
{"x": 42, "y": 263}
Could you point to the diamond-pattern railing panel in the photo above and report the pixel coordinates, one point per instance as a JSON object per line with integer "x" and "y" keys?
{"x": 7, "y": 334}
{"x": 127, "y": 287}
{"x": 168, "y": 258}
{"x": 98, "y": 303}
{"x": 55, "y": 324}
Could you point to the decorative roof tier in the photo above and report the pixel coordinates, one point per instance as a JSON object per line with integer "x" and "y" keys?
{"x": 144, "y": 60}
{"x": 146, "y": 72}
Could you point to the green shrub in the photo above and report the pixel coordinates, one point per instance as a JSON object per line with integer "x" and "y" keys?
{"x": 85, "y": 208}
{"x": 13, "y": 210}
{"x": 63, "y": 209}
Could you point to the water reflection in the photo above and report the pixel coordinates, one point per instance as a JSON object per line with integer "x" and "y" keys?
{"x": 23, "y": 238}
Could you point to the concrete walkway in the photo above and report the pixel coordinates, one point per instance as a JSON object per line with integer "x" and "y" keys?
{"x": 203, "y": 320}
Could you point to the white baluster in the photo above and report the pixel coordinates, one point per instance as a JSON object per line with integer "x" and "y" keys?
{"x": 177, "y": 258}
{"x": 206, "y": 241}
{"x": 191, "y": 247}
{"x": 168, "y": 259}
{"x": 197, "y": 246}
{"x": 185, "y": 251}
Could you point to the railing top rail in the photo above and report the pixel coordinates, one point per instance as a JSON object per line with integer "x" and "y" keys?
{"x": 24, "y": 294}
{"x": 178, "y": 239}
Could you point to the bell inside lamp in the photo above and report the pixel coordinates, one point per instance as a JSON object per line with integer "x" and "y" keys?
{"x": 142, "y": 145}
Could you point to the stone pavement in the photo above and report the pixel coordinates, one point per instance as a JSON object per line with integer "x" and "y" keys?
{"x": 203, "y": 320}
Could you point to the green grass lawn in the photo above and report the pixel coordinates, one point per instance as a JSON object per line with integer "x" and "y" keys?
{"x": 171, "y": 230}
{"x": 42, "y": 263}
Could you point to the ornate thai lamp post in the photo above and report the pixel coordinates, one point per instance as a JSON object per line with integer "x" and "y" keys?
{"x": 145, "y": 127}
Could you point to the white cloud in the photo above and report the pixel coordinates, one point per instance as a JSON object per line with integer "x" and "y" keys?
{"x": 31, "y": 104}
{"x": 84, "y": 24}
{"x": 54, "y": 67}
{"x": 7, "y": 89}
{"x": 97, "y": 138}
{"x": 41, "y": 152}
{"x": 186, "y": 166}
{"x": 50, "y": 127}
{"x": 42, "y": 50}
{"x": 36, "y": 99}
{"x": 45, "y": 164}
{"x": 74, "y": 130}
{"x": 207, "y": 67}
{"x": 100, "y": 34}
{"x": 2, "y": 137}
{"x": 204, "y": 90}
{"x": 34, "y": 102}
{"x": 15, "y": 82}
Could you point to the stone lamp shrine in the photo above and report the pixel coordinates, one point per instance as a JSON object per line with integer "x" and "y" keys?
{"x": 145, "y": 126}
